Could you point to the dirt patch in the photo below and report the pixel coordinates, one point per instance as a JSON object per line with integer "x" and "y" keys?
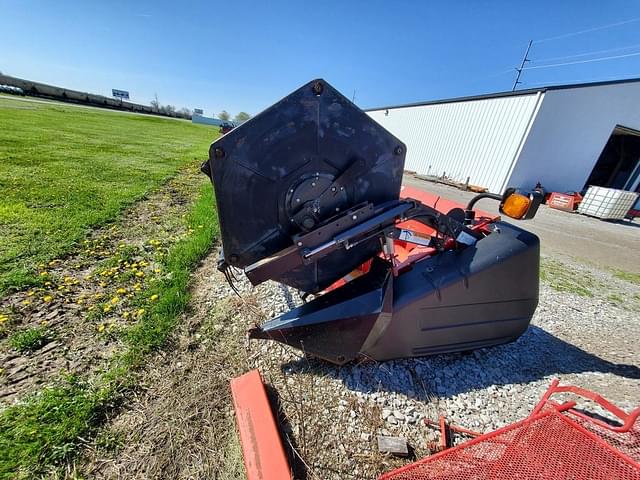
{"x": 87, "y": 300}
{"x": 181, "y": 424}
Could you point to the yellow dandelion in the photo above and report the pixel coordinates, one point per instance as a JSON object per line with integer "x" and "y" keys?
{"x": 139, "y": 274}
{"x": 154, "y": 297}
{"x": 47, "y": 284}
{"x": 80, "y": 301}
{"x": 44, "y": 323}
{"x": 30, "y": 293}
{"x": 26, "y": 302}
{"x": 156, "y": 270}
{"x": 106, "y": 309}
{"x": 140, "y": 312}
{"x": 121, "y": 291}
{"x": 101, "y": 328}
{"x": 103, "y": 284}
{"x": 47, "y": 298}
{"x": 125, "y": 314}
{"x": 44, "y": 273}
{"x": 115, "y": 300}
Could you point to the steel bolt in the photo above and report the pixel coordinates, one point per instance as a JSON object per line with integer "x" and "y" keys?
{"x": 297, "y": 200}
{"x": 337, "y": 209}
{"x": 299, "y": 244}
{"x": 218, "y": 152}
{"x": 318, "y": 88}
{"x": 313, "y": 184}
{"x": 333, "y": 189}
{"x": 355, "y": 217}
{"x": 398, "y": 150}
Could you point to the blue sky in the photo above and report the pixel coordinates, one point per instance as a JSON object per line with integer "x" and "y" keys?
{"x": 244, "y": 55}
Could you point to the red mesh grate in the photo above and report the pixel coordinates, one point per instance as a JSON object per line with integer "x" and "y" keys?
{"x": 628, "y": 443}
{"x": 556, "y": 442}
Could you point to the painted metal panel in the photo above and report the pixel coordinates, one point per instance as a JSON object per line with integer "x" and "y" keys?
{"x": 206, "y": 120}
{"x": 476, "y": 139}
{"x": 571, "y": 130}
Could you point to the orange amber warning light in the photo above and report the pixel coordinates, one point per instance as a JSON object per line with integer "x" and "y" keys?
{"x": 518, "y": 205}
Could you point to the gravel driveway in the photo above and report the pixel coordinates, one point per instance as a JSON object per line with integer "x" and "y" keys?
{"x": 585, "y": 332}
{"x": 585, "y": 339}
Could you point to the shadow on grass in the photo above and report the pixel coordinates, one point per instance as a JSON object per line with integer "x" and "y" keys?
{"x": 535, "y": 355}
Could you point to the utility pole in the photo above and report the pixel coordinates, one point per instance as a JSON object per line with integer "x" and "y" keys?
{"x": 353, "y": 98}
{"x": 525, "y": 59}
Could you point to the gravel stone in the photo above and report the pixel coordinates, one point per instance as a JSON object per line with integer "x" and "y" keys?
{"x": 585, "y": 341}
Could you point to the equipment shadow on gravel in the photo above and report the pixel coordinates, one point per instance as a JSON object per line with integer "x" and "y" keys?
{"x": 534, "y": 356}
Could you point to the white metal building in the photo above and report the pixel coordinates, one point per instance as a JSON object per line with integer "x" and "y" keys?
{"x": 565, "y": 137}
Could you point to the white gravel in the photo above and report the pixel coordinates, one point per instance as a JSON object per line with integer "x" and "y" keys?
{"x": 335, "y": 413}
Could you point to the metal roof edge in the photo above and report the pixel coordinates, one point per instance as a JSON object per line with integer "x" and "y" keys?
{"x": 528, "y": 91}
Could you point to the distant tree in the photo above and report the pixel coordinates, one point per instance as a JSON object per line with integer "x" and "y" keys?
{"x": 155, "y": 103}
{"x": 241, "y": 117}
{"x": 224, "y": 115}
{"x": 169, "y": 109}
{"x": 185, "y": 112}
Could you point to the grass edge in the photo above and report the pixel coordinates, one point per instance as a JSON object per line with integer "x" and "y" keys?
{"x": 49, "y": 427}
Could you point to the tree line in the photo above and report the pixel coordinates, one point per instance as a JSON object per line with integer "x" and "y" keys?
{"x": 238, "y": 119}
{"x": 225, "y": 116}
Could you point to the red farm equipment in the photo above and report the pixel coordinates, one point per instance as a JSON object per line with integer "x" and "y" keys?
{"x": 309, "y": 194}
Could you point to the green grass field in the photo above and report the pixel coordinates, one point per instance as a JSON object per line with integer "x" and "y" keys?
{"x": 65, "y": 169}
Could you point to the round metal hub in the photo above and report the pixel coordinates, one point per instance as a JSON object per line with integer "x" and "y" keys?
{"x": 313, "y": 199}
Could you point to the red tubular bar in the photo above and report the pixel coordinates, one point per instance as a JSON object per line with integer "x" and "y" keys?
{"x": 555, "y": 442}
{"x": 443, "y": 433}
{"x": 264, "y": 457}
{"x": 628, "y": 419}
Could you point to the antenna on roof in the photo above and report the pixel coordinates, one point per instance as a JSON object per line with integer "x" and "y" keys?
{"x": 525, "y": 59}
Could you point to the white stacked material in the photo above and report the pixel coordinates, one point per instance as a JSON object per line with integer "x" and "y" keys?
{"x": 607, "y": 203}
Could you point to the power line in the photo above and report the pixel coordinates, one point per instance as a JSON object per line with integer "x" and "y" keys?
{"x": 583, "y": 80}
{"x": 586, "y": 54}
{"x": 600, "y": 59}
{"x": 594, "y": 29}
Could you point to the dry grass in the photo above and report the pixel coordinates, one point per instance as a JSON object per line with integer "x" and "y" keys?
{"x": 181, "y": 424}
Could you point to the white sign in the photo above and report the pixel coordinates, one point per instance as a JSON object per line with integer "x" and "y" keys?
{"x": 198, "y": 111}
{"x": 123, "y": 94}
